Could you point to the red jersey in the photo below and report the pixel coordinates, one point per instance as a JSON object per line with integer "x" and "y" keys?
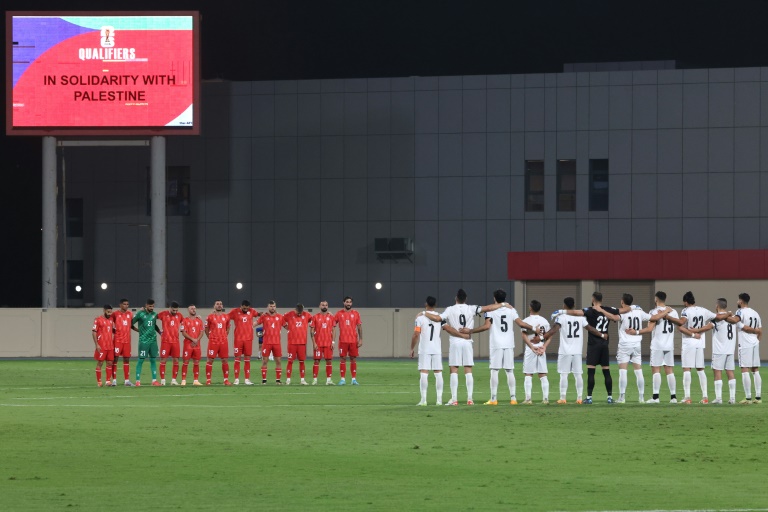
{"x": 122, "y": 323}
{"x": 297, "y": 327}
{"x": 171, "y": 325}
{"x": 217, "y": 325}
{"x": 193, "y": 326}
{"x": 243, "y": 323}
{"x": 322, "y": 324}
{"x": 272, "y": 325}
{"x": 348, "y": 322}
{"x": 103, "y": 328}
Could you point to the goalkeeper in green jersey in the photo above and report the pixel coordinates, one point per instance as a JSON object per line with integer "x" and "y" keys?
{"x": 145, "y": 323}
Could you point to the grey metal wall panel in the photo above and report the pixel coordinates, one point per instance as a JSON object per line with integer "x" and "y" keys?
{"x": 670, "y": 151}
{"x": 427, "y": 150}
{"x": 473, "y": 154}
{"x": 379, "y": 105}
{"x": 286, "y": 114}
{"x": 403, "y": 112}
{"x": 286, "y": 161}
{"x": 263, "y": 116}
{"x": 332, "y": 157}
{"x": 309, "y": 114}
{"x": 599, "y": 108}
{"x": 355, "y": 156}
{"x": 644, "y": 196}
{"x": 426, "y": 110}
{"x": 332, "y": 114}
{"x": 356, "y": 113}
{"x": 534, "y": 110}
{"x": 566, "y": 108}
{"x": 473, "y": 108}
{"x": 748, "y": 188}
{"x": 402, "y": 198}
{"x": 498, "y": 110}
{"x": 695, "y": 105}
{"x": 402, "y": 155}
{"x": 746, "y": 99}
{"x": 644, "y": 156}
{"x": 620, "y": 117}
{"x": 746, "y": 151}
{"x": 721, "y": 104}
{"x": 450, "y": 157}
{"x": 498, "y": 154}
{"x": 695, "y": 150}
{"x": 450, "y": 244}
{"x": 309, "y": 157}
{"x": 427, "y": 250}
{"x": 379, "y": 199}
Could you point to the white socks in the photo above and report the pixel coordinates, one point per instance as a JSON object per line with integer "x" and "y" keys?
{"x": 702, "y": 382}
{"x": 511, "y": 383}
{"x": 672, "y": 383}
{"x": 563, "y": 385}
{"x": 423, "y": 383}
{"x": 470, "y": 379}
{"x": 732, "y": 388}
{"x": 528, "y": 386}
{"x": 494, "y": 383}
{"x": 579, "y": 384}
{"x": 454, "y": 383}
{"x": 640, "y": 384}
{"x": 718, "y": 390}
{"x": 747, "y": 382}
{"x": 758, "y": 384}
{"x": 545, "y": 387}
{"x": 439, "y": 386}
{"x": 687, "y": 384}
{"x": 622, "y": 381}
{"x": 656, "y": 383}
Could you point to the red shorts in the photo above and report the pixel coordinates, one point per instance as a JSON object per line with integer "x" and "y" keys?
{"x": 271, "y": 348}
{"x": 168, "y": 349}
{"x": 348, "y": 349}
{"x": 122, "y": 349}
{"x": 104, "y": 355}
{"x": 191, "y": 352}
{"x": 220, "y": 350}
{"x": 323, "y": 353}
{"x": 296, "y": 351}
{"x": 244, "y": 347}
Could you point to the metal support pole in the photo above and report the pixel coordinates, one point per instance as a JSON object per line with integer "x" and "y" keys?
{"x": 49, "y": 223}
{"x": 157, "y": 171}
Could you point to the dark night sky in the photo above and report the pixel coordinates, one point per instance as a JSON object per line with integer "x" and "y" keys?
{"x": 302, "y": 39}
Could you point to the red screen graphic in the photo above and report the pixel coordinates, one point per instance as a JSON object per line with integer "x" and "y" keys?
{"x": 77, "y": 74}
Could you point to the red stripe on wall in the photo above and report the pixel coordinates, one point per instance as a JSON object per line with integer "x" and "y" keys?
{"x": 631, "y": 265}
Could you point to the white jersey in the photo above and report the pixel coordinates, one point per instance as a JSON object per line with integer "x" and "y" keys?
{"x": 502, "y": 335}
{"x": 632, "y": 320}
{"x": 696, "y": 317}
{"x": 458, "y": 316}
{"x": 663, "y": 335}
{"x": 540, "y": 326}
{"x": 723, "y": 337}
{"x": 429, "y": 335}
{"x": 750, "y": 318}
{"x": 571, "y": 338}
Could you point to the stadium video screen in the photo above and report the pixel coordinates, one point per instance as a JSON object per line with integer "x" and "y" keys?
{"x": 102, "y": 73}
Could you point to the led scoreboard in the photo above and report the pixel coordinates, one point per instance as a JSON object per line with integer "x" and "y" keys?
{"x": 103, "y": 73}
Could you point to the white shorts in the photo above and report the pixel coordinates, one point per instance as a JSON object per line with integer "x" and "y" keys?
{"x": 692, "y": 357}
{"x": 431, "y": 362}
{"x": 629, "y": 354}
{"x": 749, "y": 357}
{"x": 534, "y": 363}
{"x": 722, "y": 362}
{"x": 569, "y": 363}
{"x": 502, "y": 359}
{"x": 662, "y": 358}
{"x": 461, "y": 353}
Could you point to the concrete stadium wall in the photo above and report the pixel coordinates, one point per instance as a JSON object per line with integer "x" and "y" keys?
{"x": 67, "y": 333}
{"x": 386, "y": 332}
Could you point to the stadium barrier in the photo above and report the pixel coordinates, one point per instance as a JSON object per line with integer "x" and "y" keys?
{"x": 67, "y": 333}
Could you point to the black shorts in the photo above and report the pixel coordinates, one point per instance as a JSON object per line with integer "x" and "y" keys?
{"x": 597, "y": 355}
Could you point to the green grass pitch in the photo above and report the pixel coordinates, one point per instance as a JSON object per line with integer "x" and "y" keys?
{"x": 67, "y": 444}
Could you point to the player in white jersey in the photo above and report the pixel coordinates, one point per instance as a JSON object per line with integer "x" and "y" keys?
{"x": 427, "y": 335}
{"x": 502, "y": 345}
{"x": 460, "y": 351}
{"x": 662, "y": 347}
{"x": 569, "y": 354}
{"x": 692, "y": 354}
{"x": 535, "y": 358}
{"x": 750, "y": 330}
{"x": 629, "y": 350}
{"x": 723, "y": 347}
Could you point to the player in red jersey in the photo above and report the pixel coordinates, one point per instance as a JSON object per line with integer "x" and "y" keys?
{"x": 296, "y": 322}
{"x": 272, "y": 322}
{"x": 193, "y": 330}
{"x": 217, "y": 329}
{"x": 321, "y": 331}
{"x": 350, "y": 339}
{"x": 122, "y": 318}
{"x": 104, "y": 348}
{"x": 172, "y": 324}
{"x": 244, "y": 318}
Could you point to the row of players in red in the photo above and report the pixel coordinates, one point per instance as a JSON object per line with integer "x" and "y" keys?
{"x": 112, "y": 340}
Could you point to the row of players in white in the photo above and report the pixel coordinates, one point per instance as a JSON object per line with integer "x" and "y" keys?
{"x": 694, "y": 322}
